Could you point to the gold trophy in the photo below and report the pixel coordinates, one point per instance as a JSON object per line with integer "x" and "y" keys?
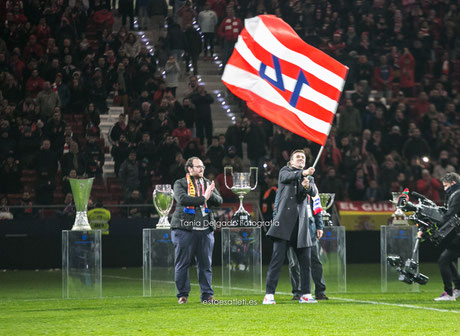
{"x": 326, "y": 200}
{"x": 81, "y": 189}
{"x": 163, "y": 200}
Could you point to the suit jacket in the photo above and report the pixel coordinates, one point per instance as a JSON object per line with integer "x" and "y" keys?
{"x": 291, "y": 205}
{"x": 186, "y": 221}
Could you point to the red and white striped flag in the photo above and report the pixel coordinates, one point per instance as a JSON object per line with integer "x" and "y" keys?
{"x": 284, "y": 79}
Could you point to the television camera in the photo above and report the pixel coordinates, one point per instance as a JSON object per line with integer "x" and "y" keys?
{"x": 428, "y": 217}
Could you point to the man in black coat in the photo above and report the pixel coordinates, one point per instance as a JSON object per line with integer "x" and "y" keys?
{"x": 192, "y": 227}
{"x": 448, "y": 257}
{"x": 290, "y": 227}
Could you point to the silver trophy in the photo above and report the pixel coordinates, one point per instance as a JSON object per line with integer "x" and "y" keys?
{"x": 326, "y": 200}
{"x": 163, "y": 200}
{"x": 81, "y": 189}
{"x": 241, "y": 186}
{"x": 398, "y": 217}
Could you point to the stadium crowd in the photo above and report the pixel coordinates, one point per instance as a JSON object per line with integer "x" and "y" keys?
{"x": 397, "y": 124}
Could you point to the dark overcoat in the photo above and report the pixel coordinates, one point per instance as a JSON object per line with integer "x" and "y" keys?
{"x": 291, "y": 205}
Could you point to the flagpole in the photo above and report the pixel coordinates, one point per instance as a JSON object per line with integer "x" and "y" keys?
{"x": 318, "y": 156}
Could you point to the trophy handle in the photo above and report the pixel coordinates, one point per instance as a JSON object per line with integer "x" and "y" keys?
{"x": 225, "y": 175}
{"x": 256, "y": 169}
{"x": 331, "y": 201}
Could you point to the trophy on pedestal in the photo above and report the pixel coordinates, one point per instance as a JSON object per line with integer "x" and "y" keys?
{"x": 326, "y": 200}
{"x": 81, "y": 189}
{"x": 163, "y": 200}
{"x": 241, "y": 186}
{"x": 398, "y": 217}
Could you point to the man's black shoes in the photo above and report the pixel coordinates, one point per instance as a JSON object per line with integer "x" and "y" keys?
{"x": 321, "y": 296}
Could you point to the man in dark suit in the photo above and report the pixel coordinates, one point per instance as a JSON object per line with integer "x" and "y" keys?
{"x": 192, "y": 227}
{"x": 290, "y": 227}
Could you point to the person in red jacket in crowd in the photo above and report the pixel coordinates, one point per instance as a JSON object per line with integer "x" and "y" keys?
{"x": 331, "y": 155}
{"x": 33, "y": 49}
{"x": 429, "y": 186}
{"x": 34, "y": 84}
{"x": 383, "y": 75}
{"x": 229, "y": 30}
{"x": 182, "y": 133}
{"x": 406, "y": 67}
{"x": 43, "y": 32}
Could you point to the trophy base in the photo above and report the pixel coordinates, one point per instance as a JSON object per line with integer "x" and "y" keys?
{"x": 241, "y": 219}
{"x": 163, "y": 223}
{"x": 81, "y": 222}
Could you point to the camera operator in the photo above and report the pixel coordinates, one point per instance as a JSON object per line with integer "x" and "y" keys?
{"x": 446, "y": 262}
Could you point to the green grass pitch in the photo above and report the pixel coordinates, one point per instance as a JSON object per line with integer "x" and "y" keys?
{"x": 31, "y": 304}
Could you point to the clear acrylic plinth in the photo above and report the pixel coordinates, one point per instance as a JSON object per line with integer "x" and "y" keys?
{"x": 241, "y": 260}
{"x": 332, "y": 253}
{"x": 81, "y": 264}
{"x": 398, "y": 241}
{"x": 158, "y": 263}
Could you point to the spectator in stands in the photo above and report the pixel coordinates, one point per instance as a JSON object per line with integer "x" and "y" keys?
{"x": 416, "y": 146}
{"x": 254, "y": 136}
{"x": 146, "y": 148}
{"x": 45, "y": 187}
{"x": 69, "y": 209}
{"x": 28, "y": 147}
{"x": 350, "y": 119}
{"x": 118, "y": 128}
{"x": 10, "y": 175}
{"x": 373, "y": 192}
{"x": 331, "y": 155}
{"x": 332, "y": 183}
{"x": 34, "y": 84}
{"x": 429, "y": 186}
{"x": 47, "y": 99}
{"x": 193, "y": 47}
{"x": 135, "y": 199}
{"x": 129, "y": 174}
{"x": 131, "y": 47}
{"x": 229, "y": 30}
{"x": 5, "y": 212}
{"x": 74, "y": 159}
{"x": 47, "y": 159}
{"x": 62, "y": 90}
{"x": 177, "y": 170}
{"x": 54, "y": 130}
{"x": 126, "y": 8}
{"x": 65, "y": 181}
{"x": 175, "y": 39}
{"x": 26, "y": 211}
{"x": 202, "y": 101}
{"x": 207, "y": 20}
{"x": 182, "y": 133}
{"x": 172, "y": 70}
{"x": 216, "y": 153}
{"x": 143, "y": 17}
{"x": 443, "y": 167}
{"x": 226, "y": 193}
{"x": 120, "y": 151}
{"x": 94, "y": 156}
{"x": 393, "y": 141}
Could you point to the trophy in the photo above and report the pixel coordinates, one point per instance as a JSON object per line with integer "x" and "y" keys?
{"x": 326, "y": 200}
{"x": 81, "y": 189}
{"x": 241, "y": 186}
{"x": 163, "y": 199}
{"x": 398, "y": 217}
